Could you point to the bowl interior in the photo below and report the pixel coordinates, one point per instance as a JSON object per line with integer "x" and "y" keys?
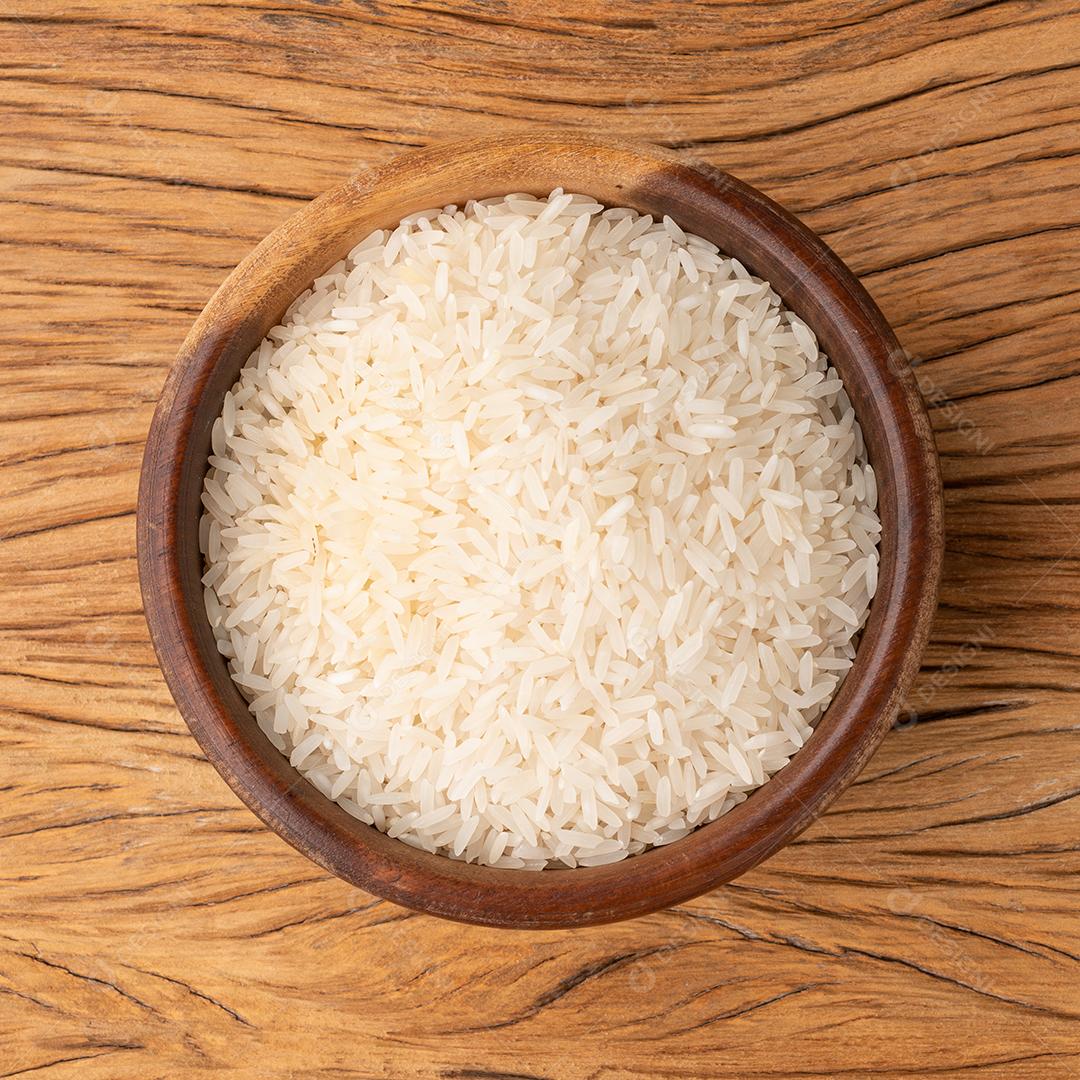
{"x": 771, "y": 244}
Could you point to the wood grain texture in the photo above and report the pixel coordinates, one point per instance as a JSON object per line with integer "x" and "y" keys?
{"x": 150, "y": 926}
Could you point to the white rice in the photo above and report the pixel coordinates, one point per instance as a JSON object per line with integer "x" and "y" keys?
{"x": 538, "y": 534}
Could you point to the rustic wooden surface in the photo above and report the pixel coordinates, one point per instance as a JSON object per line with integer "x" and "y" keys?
{"x": 149, "y": 926}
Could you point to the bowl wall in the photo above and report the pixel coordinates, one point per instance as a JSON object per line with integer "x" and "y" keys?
{"x": 810, "y": 279}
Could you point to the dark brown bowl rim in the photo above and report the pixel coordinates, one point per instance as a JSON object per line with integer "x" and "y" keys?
{"x": 813, "y": 282}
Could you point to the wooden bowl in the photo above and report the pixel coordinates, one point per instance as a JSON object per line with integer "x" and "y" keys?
{"x": 772, "y": 244}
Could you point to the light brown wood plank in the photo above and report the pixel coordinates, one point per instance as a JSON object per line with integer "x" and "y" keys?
{"x": 927, "y": 925}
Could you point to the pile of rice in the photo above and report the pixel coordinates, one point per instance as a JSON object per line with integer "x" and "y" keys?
{"x": 538, "y": 533}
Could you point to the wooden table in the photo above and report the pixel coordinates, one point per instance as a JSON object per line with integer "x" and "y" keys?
{"x": 151, "y": 927}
